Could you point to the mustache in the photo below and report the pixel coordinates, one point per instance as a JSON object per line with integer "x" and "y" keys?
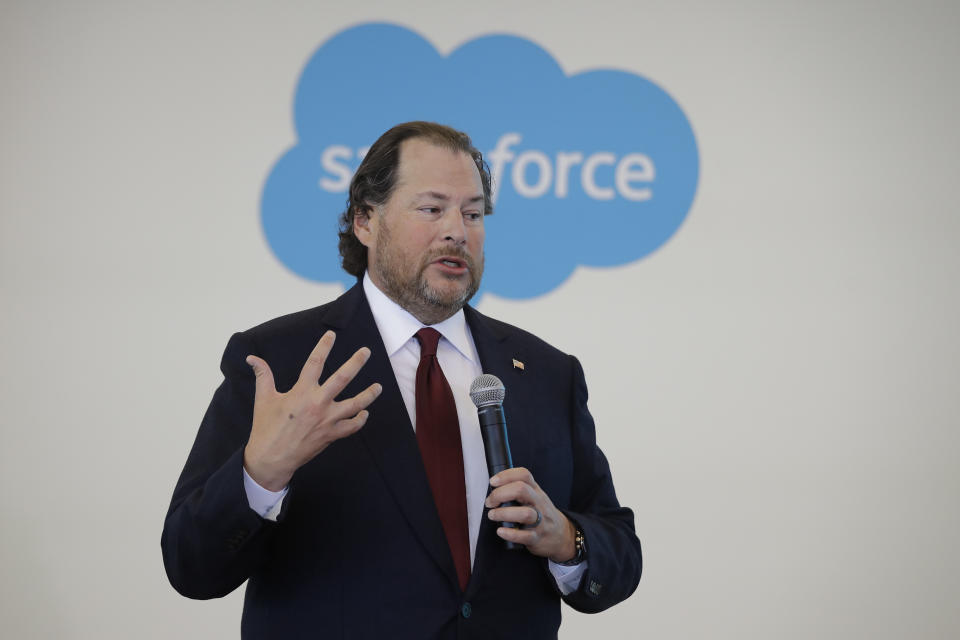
{"x": 453, "y": 252}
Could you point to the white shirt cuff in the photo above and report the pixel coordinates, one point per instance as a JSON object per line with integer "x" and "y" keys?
{"x": 568, "y": 578}
{"x": 265, "y": 502}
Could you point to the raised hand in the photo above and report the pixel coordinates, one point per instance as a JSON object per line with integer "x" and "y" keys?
{"x": 290, "y": 429}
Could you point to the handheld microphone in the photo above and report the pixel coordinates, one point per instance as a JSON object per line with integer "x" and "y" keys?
{"x": 487, "y": 393}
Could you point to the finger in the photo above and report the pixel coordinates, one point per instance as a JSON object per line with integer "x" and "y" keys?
{"x": 519, "y": 515}
{"x": 340, "y": 378}
{"x": 322, "y": 438}
{"x": 362, "y": 400}
{"x": 517, "y": 491}
{"x": 313, "y": 367}
{"x": 526, "y": 537}
{"x": 344, "y": 428}
{"x": 263, "y": 375}
{"x": 515, "y": 474}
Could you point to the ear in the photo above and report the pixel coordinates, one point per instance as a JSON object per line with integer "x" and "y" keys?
{"x": 363, "y": 226}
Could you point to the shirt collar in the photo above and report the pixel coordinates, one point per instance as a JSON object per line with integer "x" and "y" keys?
{"x": 397, "y": 325}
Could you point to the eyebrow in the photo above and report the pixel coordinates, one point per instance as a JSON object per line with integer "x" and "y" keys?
{"x": 443, "y": 197}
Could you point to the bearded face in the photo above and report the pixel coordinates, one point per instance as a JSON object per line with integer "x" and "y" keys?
{"x": 425, "y": 244}
{"x": 434, "y": 285}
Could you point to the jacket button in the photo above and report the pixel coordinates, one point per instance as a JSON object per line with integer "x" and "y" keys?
{"x": 466, "y": 610}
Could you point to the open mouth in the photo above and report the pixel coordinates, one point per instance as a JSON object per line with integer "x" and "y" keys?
{"x": 453, "y": 263}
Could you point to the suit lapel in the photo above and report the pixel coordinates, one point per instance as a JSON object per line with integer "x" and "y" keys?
{"x": 388, "y": 435}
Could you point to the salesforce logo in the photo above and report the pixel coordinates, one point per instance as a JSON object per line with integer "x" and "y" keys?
{"x": 597, "y": 169}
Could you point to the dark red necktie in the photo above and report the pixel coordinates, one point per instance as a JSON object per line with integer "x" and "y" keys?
{"x": 438, "y": 434}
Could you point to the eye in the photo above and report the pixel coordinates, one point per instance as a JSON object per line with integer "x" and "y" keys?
{"x": 430, "y": 210}
{"x": 473, "y": 216}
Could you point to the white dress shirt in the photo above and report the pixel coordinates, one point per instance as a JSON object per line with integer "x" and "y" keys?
{"x": 458, "y": 358}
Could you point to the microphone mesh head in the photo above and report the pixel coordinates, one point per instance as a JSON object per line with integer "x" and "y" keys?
{"x": 487, "y": 390}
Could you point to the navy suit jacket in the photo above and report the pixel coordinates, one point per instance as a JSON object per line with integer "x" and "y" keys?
{"x": 358, "y": 550}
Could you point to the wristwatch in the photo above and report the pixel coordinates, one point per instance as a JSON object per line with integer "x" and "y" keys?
{"x": 581, "y": 546}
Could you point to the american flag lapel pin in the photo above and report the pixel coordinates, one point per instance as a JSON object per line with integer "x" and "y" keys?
{"x": 517, "y": 364}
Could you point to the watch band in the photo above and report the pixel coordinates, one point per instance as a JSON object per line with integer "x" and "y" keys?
{"x": 581, "y": 546}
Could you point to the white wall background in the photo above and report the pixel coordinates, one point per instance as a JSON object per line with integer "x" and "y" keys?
{"x": 780, "y": 401}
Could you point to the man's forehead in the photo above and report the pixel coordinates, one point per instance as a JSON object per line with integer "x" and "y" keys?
{"x": 422, "y": 158}
{"x": 422, "y": 144}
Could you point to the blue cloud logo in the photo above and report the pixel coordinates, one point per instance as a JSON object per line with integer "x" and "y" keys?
{"x": 598, "y": 169}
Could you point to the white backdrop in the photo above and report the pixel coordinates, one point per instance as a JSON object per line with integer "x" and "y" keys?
{"x": 777, "y": 391}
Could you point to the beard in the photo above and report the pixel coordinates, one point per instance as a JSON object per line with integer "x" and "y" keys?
{"x": 404, "y": 279}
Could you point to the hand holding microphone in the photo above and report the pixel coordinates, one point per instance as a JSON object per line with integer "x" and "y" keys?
{"x": 528, "y": 517}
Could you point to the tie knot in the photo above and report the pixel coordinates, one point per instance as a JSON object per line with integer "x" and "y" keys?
{"x": 428, "y": 341}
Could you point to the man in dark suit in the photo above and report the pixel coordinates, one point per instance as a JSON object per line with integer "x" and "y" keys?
{"x": 351, "y": 522}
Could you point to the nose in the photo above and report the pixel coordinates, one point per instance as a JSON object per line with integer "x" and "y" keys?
{"x": 454, "y": 229}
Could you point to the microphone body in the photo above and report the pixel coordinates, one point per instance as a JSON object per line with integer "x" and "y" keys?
{"x": 496, "y": 444}
{"x": 487, "y": 393}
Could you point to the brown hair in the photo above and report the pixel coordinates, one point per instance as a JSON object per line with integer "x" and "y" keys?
{"x": 376, "y": 177}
